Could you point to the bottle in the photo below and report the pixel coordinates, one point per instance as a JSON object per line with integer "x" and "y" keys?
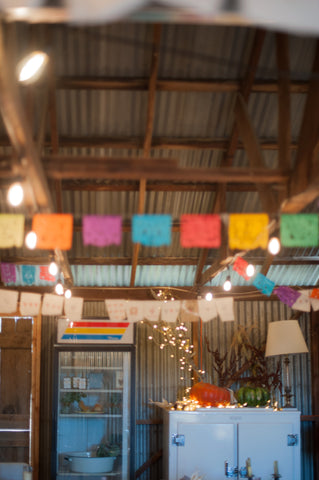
{"x": 27, "y": 472}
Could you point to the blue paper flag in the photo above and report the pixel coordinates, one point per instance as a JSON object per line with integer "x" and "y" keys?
{"x": 152, "y": 230}
{"x": 28, "y": 274}
{"x": 263, "y": 284}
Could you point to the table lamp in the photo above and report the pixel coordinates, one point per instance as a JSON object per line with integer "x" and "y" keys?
{"x": 285, "y": 338}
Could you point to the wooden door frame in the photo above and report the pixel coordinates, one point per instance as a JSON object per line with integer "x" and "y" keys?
{"x": 34, "y": 424}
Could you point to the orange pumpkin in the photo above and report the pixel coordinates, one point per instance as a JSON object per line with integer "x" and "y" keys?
{"x": 208, "y": 395}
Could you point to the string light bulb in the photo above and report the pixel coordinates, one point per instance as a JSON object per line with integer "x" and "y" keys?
{"x": 209, "y": 296}
{"x": 274, "y": 246}
{"x": 227, "y": 284}
{"x": 32, "y": 66}
{"x": 15, "y": 194}
{"x": 59, "y": 290}
{"x": 53, "y": 268}
{"x": 31, "y": 240}
{"x": 68, "y": 293}
{"x": 250, "y": 270}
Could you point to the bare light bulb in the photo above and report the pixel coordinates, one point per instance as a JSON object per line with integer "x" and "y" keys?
{"x": 59, "y": 288}
{"x": 68, "y": 293}
{"x": 209, "y": 296}
{"x": 53, "y": 268}
{"x": 15, "y": 194}
{"x": 31, "y": 240}
{"x": 274, "y": 246}
{"x": 227, "y": 285}
{"x": 32, "y": 66}
{"x": 250, "y": 270}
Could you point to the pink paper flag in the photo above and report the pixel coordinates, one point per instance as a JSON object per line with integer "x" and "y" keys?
{"x": 45, "y": 274}
{"x": 8, "y": 273}
{"x": 202, "y": 231}
{"x": 102, "y": 230}
{"x": 240, "y": 266}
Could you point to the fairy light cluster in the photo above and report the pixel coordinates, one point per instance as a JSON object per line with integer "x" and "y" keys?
{"x": 175, "y": 338}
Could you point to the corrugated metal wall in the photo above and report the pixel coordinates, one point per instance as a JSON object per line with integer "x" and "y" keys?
{"x": 158, "y": 377}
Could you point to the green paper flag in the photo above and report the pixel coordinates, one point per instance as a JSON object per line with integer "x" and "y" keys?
{"x": 299, "y": 230}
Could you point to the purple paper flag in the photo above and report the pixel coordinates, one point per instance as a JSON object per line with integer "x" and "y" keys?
{"x": 8, "y": 273}
{"x": 263, "y": 284}
{"x": 102, "y": 230}
{"x": 287, "y": 295}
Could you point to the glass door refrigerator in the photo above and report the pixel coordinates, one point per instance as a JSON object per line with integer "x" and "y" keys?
{"x": 94, "y": 400}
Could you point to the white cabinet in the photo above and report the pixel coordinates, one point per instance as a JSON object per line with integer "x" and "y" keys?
{"x": 203, "y": 440}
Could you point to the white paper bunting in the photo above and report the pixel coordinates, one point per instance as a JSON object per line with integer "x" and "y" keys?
{"x": 189, "y": 311}
{"x": 207, "y": 309}
{"x": 8, "y": 301}
{"x": 52, "y": 304}
{"x": 225, "y": 309}
{"x": 151, "y": 310}
{"x": 30, "y": 304}
{"x": 116, "y": 309}
{"x": 303, "y": 302}
{"x": 73, "y": 308}
{"x": 170, "y": 310}
{"x": 134, "y": 311}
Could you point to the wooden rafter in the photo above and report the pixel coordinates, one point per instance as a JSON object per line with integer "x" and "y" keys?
{"x": 148, "y": 135}
{"x": 16, "y": 123}
{"x": 254, "y": 154}
{"x": 309, "y": 133}
{"x": 220, "y": 196}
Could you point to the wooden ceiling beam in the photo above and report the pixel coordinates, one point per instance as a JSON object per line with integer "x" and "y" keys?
{"x": 157, "y": 31}
{"x": 176, "y": 85}
{"x": 173, "y": 143}
{"x": 148, "y": 293}
{"x": 102, "y": 168}
{"x": 92, "y": 260}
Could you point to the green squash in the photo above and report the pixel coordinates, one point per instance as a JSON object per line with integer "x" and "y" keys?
{"x": 253, "y": 396}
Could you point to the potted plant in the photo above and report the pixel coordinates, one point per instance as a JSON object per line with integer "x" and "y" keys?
{"x": 69, "y": 398}
{"x": 109, "y": 451}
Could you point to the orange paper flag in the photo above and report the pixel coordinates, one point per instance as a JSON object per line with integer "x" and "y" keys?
{"x": 53, "y": 230}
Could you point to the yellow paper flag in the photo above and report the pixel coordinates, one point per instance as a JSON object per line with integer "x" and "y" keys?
{"x": 11, "y": 230}
{"x": 248, "y": 231}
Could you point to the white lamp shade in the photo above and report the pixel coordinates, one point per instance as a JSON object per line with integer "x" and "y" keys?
{"x": 285, "y": 337}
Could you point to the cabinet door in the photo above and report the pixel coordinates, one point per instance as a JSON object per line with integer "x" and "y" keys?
{"x": 206, "y": 448}
{"x": 266, "y": 443}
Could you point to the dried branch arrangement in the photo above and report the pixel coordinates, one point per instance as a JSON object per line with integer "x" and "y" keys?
{"x": 244, "y": 363}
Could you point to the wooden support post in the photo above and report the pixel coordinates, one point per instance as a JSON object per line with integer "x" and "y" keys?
{"x": 315, "y": 386}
